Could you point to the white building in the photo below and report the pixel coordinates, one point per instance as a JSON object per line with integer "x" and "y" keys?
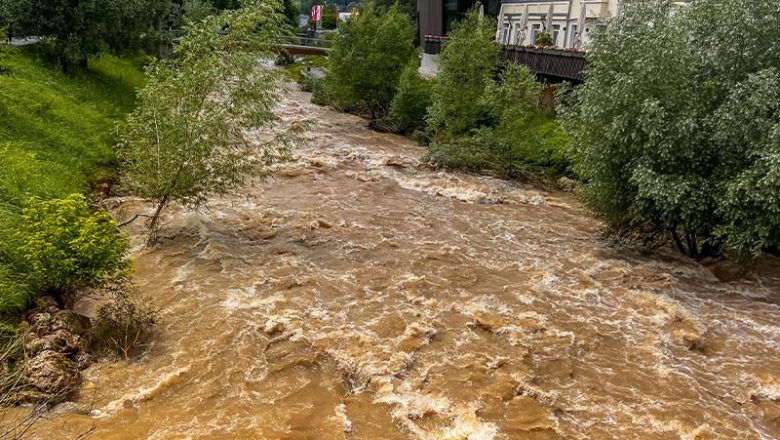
{"x": 567, "y": 21}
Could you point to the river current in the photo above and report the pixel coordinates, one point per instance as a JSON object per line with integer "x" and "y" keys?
{"x": 358, "y": 294}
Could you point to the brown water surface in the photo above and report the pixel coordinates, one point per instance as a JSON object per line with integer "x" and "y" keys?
{"x": 360, "y": 295}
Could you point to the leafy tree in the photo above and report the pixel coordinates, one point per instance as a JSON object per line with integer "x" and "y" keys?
{"x": 410, "y": 104}
{"x": 3, "y": 52}
{"x": 466, "y": 67}
{"x": 408, "y": 7}
{"x": 292, "y": 11}
{"x": 67, "y": 246}
{"x": 516, "y": 135}
{"x": 367, "y": 58}
{"x": 79, "y": 29}
{"x": 187, "y": 140}
{"x": 523, "y": 133}
{"x": 330, "y": 17}
{"x": 676, "y": 128}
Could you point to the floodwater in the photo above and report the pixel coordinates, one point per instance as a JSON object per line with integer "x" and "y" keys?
{"x": 360, "y": 295}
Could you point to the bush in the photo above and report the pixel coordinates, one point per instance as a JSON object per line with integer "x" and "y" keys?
{"x": 410, "y": 104}
{"x": 284, "y": 58}
{"x": 367, "y": 58}
{"x": 671, "y": 137}
{"x": 543, "y": 39}
{"x": 524, "y": 133}
{"x": 520, "y": 134}
{"x": 478, "y": 122}
{"x": 124, "y": 325}
{"x": 466, "y": 67}
{"x": 330, "y": 18}
{"x": 66, "y": 245}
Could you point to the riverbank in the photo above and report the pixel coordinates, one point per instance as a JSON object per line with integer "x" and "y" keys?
{"x": 56, "y": 139}
{"x": 360, "y": 294}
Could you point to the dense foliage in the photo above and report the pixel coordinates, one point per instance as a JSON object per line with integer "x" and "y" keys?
{"x": 543, "y": 39}
{"x": 81, "y": 29}
{"x": 677, "y": 127}
{"x": 410, "y": 105}
{"x": 187, "y": 138}
{"x": 66, "y": 245}
{"x": 467, "y": 65}
{"x": 329, "y": 19}
{"x": 367, "y": 59}
{"x": 478, "y": 121}
{"x": 57, "y": 247}
{"x": 55, "y": 140}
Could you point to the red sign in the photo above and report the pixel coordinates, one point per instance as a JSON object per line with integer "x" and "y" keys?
{"x": 315, "y": 12}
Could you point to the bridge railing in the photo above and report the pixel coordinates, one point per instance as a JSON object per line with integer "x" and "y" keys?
{"x": 295, "y": 40}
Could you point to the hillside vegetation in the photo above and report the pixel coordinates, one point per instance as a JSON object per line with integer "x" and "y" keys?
{"x": 56, "y": 139}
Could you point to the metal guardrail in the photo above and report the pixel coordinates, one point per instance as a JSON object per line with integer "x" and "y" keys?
{"x": 433, "y": 44}
{"x": 555, "y": 64}
{"x": 306, "y": 41}
{"x": 560, "y": 64}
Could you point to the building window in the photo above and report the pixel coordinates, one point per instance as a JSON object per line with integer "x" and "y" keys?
{"x": 573, "y": 35}
{"x": 534, "y": 30}
{"x": 505, "y": 32}
{"x": 518, "y": 34}
{"x": 556, "y": 31}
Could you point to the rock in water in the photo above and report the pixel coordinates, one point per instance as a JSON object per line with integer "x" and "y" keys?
{"x": 566, "y": 184}
{"x": 50, "y": 376}
{"x": 56, "y": 347}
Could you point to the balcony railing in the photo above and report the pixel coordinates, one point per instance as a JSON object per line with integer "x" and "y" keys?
{"x": 553, "y": 64}
{"x": 558, "y": 64}
{"x": 432, "y": 44}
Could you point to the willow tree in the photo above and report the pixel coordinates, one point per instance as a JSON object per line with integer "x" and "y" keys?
{"x": 677, "y": 126}
{"x": 187, "y": 140}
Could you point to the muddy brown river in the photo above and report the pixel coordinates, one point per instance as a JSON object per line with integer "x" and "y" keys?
{"x": 360, "y": 295}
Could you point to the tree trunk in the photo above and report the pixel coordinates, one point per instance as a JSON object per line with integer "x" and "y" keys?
{"x": 678, "y": 242}
{"x": 153, "y": 225}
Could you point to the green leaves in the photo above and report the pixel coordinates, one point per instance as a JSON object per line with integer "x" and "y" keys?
{"x": 67, "y": 246}
{"x": 466, "y": 66}
{"x": 79, "y": 29}
{"x": 410, "y": 105}
{"x": 367, "y": 59}
{"x": 675, "y": 128}
{"x": 187, "y": 140}
{"x": 480, "y": 122}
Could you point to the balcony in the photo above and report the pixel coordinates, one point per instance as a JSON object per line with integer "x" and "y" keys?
{"x": 553, "y": 65}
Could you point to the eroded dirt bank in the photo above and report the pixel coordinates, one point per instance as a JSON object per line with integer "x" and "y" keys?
{"x": 358, "y": 296}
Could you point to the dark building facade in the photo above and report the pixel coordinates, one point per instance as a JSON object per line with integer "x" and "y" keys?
{"x": 436, "y": 17}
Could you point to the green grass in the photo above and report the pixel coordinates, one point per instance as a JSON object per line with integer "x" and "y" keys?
{"x": 56, "y": 138}
{"x": 57, "y": 130}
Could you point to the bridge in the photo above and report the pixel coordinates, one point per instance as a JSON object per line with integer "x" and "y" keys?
{"x": 305, "y": 46}
{"x": 551, "y": 65}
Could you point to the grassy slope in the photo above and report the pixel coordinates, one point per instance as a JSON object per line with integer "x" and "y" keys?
{"x": 56, "y": 137}
{"x": 56, "y": 131}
